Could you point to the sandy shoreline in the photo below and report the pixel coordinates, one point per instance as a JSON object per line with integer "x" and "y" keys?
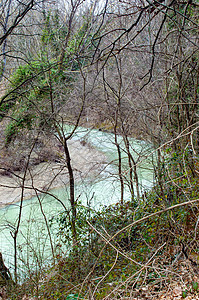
{"x": 86, "y": 162}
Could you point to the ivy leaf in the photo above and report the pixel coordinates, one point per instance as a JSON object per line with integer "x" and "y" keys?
{"x": 195, "y": 286}
{"x": 184, "y": 294}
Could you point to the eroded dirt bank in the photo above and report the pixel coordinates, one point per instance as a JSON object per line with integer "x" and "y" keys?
{"x": 86, "y": 162}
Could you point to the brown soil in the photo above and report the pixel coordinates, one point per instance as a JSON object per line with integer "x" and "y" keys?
{"x": 47, "y": 167}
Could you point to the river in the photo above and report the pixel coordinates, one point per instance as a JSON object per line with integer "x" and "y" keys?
{"x": 96, "y": 189}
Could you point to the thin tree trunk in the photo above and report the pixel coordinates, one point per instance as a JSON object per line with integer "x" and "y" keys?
{"x": 119, "y": 162}
{"x": 126, "y": 141}
{"x": 72, "y": 191}
{"x": 20, "y": 214}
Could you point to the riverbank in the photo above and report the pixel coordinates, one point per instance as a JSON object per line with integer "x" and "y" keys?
{"x": 86, "y": 161}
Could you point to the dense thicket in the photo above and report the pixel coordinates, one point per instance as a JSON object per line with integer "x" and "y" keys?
{"x": 130, "y": 68}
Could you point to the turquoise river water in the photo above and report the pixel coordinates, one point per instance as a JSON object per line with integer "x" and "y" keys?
{"x": 33, "y": 240}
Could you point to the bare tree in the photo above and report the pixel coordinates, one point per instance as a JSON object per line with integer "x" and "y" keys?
{"x": 130, "y": 68}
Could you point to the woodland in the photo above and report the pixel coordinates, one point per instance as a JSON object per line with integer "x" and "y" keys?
{"x": 122, "y": 75}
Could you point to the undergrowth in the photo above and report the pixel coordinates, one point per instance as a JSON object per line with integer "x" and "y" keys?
{"x": 111, "y": 262}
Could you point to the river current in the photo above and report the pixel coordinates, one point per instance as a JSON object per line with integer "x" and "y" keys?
{"x": 104, "y": 189}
